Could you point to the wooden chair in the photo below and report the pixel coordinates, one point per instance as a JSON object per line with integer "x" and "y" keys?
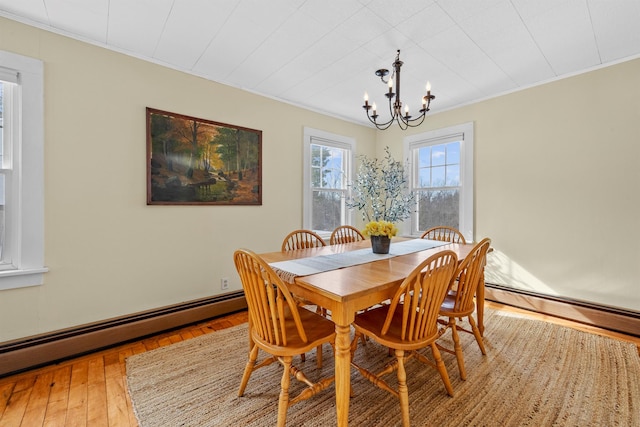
{"x": 279, "y": 328}
{"x": 408, "y": 324}
{"x": 458, "y": 302}
{"x": 345, "y": 234}
{"x": 450, "y": 234}
{"x": 444, "y": 234}
{"x": 302, "y": 239}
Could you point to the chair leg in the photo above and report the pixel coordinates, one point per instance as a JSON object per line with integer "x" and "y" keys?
{"x": 457, "y": 348}
{"x": 354, "y": 343}
{"x": 477, "y": 334}
{"x": 283, "y": 402}
{"x": 253, "y": 356}
{"x": 319, "y": 356}
{"x": 403, "y": 390}
{"x": 442, "y": 369}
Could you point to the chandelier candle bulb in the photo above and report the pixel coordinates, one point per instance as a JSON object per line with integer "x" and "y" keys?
{"x": 366, "y": 100}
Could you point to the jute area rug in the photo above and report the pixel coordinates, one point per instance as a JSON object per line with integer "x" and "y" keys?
{"x": 534, "y": 374}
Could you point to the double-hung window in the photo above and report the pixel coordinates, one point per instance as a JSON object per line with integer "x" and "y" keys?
{"x": 441, "y": 169}
{"x": 21, "y": 171}
{"x": 328, "y": 160}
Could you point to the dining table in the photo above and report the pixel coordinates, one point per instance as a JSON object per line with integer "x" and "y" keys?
{"x": 323, "y": 277}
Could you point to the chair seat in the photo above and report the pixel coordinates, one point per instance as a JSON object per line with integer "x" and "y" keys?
{"x": 370, "y": 323}
{"x": 318, "y": 329}
{"x": 447, "y": 308}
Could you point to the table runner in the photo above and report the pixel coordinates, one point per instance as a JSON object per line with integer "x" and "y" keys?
{"x": 289, "y": 270}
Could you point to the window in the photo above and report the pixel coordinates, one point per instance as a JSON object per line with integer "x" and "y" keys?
{"x": 441, "y": 175}
{"x": 328, "y": 160}
{"x": 21, "y": 172}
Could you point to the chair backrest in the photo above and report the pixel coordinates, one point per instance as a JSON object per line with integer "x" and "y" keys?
{"x": 268, "y": 299}
{"x": 302, "y": 239}
{"x": 468, "y": 276}
{"x": 420, "y": 296}
{"x": 345, "y": 234}
{"x": 444, "y": 234}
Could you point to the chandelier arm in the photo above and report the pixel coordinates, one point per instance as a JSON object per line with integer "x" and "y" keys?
{"x": 412, "y": 123}
{"x": 382, "y": 126}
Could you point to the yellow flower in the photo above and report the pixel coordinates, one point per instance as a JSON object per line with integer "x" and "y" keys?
{"x": 380, "y": 228}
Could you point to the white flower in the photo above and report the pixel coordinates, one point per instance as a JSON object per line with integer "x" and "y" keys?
{"x": 380, "y": 190}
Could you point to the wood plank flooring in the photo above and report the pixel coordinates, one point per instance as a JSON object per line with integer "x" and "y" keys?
{"x": 91, "y": 390}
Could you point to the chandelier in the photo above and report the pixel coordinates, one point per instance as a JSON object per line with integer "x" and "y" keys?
{"x": 404, "y": 120}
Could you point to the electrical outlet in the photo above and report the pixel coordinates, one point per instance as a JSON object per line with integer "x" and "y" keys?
{"x": 224, "y": 283}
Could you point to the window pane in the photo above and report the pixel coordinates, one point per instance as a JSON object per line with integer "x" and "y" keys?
{"x": 453, "y": 176}
{"x": 425, "y": 178}
{"x": 333, "y": 167}
{"x": 438, "y": 155}
{"x": 333, "y": 178}
{"x": 438, "y": 176}
{"x": 1, "y": 119}
{"x": 2, "y": 181}
{"x": 424, "y": 157}
{"x": 2, "y": 210}
{"x": 327, "y": 167}
{"x": 438, "y": 207}
{"x": 315, "y": 177}
{"x": 327, "y": 210}
{"x": 453, "y": 153}
{"x": 315, "y": 155}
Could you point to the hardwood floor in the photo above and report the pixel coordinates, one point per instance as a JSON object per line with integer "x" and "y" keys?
{"x": 91, "y": 390}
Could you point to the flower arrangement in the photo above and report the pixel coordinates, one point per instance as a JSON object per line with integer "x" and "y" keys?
{"x": 380, "y": 192}
{"x": 380, "y": 228}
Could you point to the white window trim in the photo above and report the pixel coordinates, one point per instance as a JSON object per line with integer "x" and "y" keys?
{"x": 27, "y": 227}
{"x": 464, "y": 133}
{"x": 339, "y": 141}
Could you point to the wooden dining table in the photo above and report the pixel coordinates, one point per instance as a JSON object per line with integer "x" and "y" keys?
{"x": 346, "y": 291}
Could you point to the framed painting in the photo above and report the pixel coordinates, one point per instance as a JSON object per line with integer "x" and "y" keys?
{"x": 193, "y": 161}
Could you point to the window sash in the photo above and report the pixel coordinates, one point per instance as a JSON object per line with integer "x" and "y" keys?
{"x": 335, "y": 213}
{"x": 9, "y": 211}
{"x": 461, "y": 133}
{"x": 23, "y": 169}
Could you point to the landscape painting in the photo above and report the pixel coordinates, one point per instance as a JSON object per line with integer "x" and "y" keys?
{"x": 193, "y": 161}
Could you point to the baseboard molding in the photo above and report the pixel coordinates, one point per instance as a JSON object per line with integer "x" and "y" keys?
{"x": 614, "y": 319}
{"x": 35, "y": 351}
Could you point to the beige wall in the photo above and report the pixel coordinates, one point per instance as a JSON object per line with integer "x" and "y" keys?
{"x": 556, "y": 186}
{"x": 110, "y": 254}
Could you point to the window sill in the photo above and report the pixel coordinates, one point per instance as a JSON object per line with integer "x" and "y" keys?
{"x": 12, "y": 279}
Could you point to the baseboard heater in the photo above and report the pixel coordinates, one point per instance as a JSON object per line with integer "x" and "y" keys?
{"x": 31, "y": 352}
{"x": 611, "y": 318}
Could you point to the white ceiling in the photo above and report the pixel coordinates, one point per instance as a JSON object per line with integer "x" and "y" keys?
{"x": 322, "y": 54}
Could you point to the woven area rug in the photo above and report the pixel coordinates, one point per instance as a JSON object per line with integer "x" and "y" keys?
{"x": 534, "y": 374}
